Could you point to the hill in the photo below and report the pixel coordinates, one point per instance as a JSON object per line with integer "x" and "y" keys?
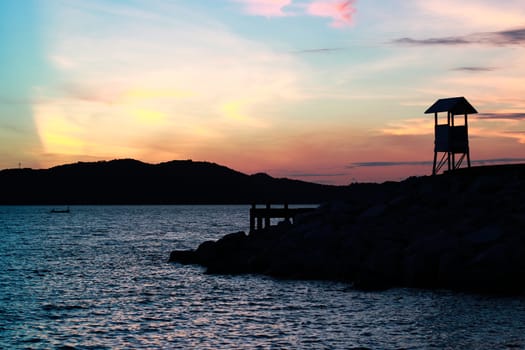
{"x": 129, "y": 181}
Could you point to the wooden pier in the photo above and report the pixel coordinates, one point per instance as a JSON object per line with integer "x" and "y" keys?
{"x": 262, "y": 216}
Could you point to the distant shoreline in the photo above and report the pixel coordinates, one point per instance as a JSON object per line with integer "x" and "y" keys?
{"x": 127, "y": 181}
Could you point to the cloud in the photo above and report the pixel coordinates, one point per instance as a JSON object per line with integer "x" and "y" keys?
{"x": 509, "y": 37}
{"x": 190, "y": 84}
{"x": 518, "y": 135}
{"x": 498, "y": 126}
{"x": 473, "y": 69}
{"x": 267, "y": 8}
{"x": 414, "y": 126}
{"x": 500, "y": 116}
{"x": 341, "y": 12}
{"x": 498, "y": 161}
{"x": 428, "y": 163}
{"x": 424, "y": 126}
{"x": 498, "y": 38}
{"x": 387, "y": 164}
{"x": 292, "y": 174}
{"x": 319, "y": 50}
{"x": 432, "y": 41}
{"x": 471, "y": 15}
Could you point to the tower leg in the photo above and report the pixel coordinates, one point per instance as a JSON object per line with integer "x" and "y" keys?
{"x": 434, "y": 166}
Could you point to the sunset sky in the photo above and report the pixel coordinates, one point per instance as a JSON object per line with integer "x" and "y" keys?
{"x": 318, "y": 90}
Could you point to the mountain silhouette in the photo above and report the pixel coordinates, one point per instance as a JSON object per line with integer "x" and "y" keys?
{"x": 128, "y": 181}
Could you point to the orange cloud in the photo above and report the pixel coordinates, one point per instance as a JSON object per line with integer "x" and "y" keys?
{"x": 475, "y": 14}
{"x": 341, "y": 12}
{"x": 415, "y": 126}
{"x": 480, "y": 126}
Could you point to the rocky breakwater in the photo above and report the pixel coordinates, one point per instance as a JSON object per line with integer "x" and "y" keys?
{"x": 462, "y": 231}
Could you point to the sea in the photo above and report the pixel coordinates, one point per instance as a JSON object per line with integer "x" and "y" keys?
{"x": 99, "y": 278}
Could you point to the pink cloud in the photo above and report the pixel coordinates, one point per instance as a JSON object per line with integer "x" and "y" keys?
{"x": 269, "y": 8}
{"x": 340, "y": 11}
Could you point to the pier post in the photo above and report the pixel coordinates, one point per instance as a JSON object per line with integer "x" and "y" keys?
{"x": 252, "y": 218}
{"x": 287, "y": 212}
{"x": 267, "y": 216}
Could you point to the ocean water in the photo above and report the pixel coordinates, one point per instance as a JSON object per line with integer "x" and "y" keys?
{"x": 98, "y": 278}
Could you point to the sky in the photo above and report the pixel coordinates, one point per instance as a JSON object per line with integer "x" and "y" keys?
{"x": 327, "y": 91}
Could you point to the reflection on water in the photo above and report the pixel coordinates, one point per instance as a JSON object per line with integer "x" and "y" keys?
{"x": 98, "y": 278}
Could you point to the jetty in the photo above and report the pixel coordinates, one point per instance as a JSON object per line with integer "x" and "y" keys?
{"x": 260, "y": 217}
{"x": 462, "y": 230}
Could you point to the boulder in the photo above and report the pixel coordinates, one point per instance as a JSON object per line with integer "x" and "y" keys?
{"x": 451, "y": 266}
{"x": 492, "y": 271}
{"x": 206, "y": 252}
{"x": 381, "y": 268}
{"x": 422, "y": 258}
{"x": 487, "y": 234}
{"x": 184, "y": 257}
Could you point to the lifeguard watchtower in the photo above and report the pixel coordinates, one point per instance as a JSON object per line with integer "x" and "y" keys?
{"x": 451, "y": 139}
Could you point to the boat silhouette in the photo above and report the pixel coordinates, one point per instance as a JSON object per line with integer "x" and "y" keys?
{"x": 57, "y": 211}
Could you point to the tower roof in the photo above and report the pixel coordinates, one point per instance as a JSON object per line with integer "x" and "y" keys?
{"x": 455, "y": 105}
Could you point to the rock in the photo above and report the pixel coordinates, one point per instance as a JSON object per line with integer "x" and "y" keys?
{"x": 232, "y": 238}
{"x": 206, "y": 252}
{"x": 451, "y": 268}
{"x": 373, "y": 212}
{"x": 492, "y": 271}
{"x": 184, "y": 257}
{"x": 422, "y": 259}
{"x": 381, "y": 269}
{"x": 516, "y": 251}
{"x": 487, "y": 234}
{"x": 226, "y": 255}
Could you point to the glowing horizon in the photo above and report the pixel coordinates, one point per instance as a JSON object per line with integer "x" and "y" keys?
{"x": 329, "y": 91}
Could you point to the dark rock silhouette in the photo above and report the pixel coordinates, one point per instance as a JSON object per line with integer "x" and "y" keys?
{"x": 129, "y": 181}
{"x": 462, "y": 230}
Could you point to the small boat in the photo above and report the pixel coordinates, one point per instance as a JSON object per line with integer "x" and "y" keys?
{"x": 57, "y": 211}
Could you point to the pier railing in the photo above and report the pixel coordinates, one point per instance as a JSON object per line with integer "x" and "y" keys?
{"x": 261, "y": 217}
